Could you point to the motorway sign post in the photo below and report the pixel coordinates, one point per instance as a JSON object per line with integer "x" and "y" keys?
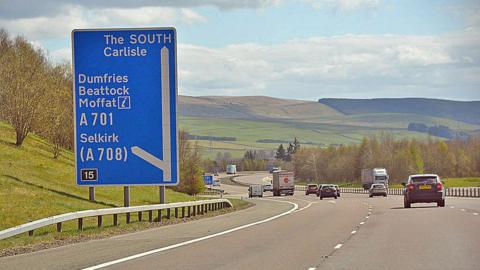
{"x": 125, "y": 102}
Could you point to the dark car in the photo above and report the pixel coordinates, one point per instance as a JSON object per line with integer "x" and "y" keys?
{"x": 424, "y": 188}
{"x": 311, "y": 189}
{"x": 327, "y": 191}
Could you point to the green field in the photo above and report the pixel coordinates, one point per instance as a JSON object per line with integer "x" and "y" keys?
{"x": 248, "y": 132}
{"x": 33, "y": 185}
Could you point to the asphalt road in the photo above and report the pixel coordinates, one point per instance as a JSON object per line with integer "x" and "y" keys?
{"x": 299, "y": 232}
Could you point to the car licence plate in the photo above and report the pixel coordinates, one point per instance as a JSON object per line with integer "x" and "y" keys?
{"x": 425, "y": 187}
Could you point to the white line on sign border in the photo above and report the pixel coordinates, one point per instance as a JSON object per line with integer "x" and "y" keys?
{"x": 143, "y": 254}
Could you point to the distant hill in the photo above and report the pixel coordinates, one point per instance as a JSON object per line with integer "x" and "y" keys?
{"x": 237, "y": 124}
{"x": 464, "y": 111}
{"x": 253, "y": 108}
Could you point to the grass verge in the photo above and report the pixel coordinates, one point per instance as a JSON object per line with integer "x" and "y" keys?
{"x": 47, "y": 237}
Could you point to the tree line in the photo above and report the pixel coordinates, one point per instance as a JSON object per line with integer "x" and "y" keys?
{"x": 35, "y": 95}
{"x": 454, "y": 158}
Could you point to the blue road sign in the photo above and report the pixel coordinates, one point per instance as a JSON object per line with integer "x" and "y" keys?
{"x": 208, "y": 179}
{"x": 125, "y": 96}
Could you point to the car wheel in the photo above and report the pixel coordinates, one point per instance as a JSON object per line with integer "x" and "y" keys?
{"x": 321, "y": 198}
{"x": 441, "y": 203}
{"x": 335, "y": 197}
{"x": 406, "y": 203}
{"x": 370, "y": 196}
{"x": 385, "y": 195}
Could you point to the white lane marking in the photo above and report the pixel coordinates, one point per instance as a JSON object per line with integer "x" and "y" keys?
{"x": 353, "y": 232}
{"x": 332, "y": 202}
{"x": 463, "y": 210}
{"x": 361, "y": 223}
{"x": 475, "y": 214}
{"x": 367, "y": 217}
{"x": 312, "y": 268}
{"x": 452, "y": 207}
{"x": 143, "y": 254}
{"x": 338, "y": 246}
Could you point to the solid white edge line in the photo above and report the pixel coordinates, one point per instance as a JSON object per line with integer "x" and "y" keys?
{"x": 312, "y": 268}
{"x": 143, "y": 254}
{"x": 338, "y": 246}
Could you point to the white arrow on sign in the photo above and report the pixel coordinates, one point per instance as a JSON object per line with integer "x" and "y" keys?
{"x": 165, "y": 164}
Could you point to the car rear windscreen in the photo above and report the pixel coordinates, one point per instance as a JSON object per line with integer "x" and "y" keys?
{"x": 421, "y": 179}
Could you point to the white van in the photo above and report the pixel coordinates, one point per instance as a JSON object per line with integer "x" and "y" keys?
{"x": 255, "y": 191}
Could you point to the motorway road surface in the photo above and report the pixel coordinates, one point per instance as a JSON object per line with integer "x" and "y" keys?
{"x": 297, "y": 232}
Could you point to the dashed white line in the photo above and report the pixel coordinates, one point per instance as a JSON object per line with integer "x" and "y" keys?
{"x": 452, "y": 207}
{"x": 361, "y": 223}
{"x": 338, "y": 246}
{"x": 353, "y": 232}
{"x": 475, "y": 214}
{"x": 463, "y": 210}
{"x": 367, "y": 217}
{"x": 312, "y": 268}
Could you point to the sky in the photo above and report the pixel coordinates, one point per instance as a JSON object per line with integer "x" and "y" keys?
{"x": 298, "y": 49}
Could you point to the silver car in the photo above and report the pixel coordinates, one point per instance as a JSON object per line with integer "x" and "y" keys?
{"x": 377, "y": 190}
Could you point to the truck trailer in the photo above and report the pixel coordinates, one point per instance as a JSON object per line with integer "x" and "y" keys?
{"x": 374, "y": 176}
{"x": 231, "y": 169}
{"x": 283, "y": 183}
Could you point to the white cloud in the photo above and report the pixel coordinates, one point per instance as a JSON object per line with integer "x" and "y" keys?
{"x": 344, "y": 5}
{"x": 393, "y": 65}
{"x": 74, "y": 17}
{"x": 15, "y": 9}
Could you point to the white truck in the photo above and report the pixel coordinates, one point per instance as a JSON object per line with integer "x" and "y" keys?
{"x": 283, "y": 183}
{"x": 231, "y": 169}
{"x": 255, "y": 191}
{"x": 374, "y": 176}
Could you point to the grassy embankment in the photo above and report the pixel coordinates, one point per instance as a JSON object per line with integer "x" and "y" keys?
{"x": 33, "y": 185}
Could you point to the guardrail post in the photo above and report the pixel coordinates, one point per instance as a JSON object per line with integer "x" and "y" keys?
{"x": 115, "y": 219}
{"x": 59, "y": 227}
{"x": 80, "y": 224}
{"x": 168, "y": 213}
{"x": 183, "y": 212}
{"x": 127, "y": 218}
{"x": 176, "y": 212}
{"x": 140, "y": 216}
{"x": 150, "y": 216}
{"x": 159, "y": 215}
{"x": 30, "y": 233}
{"x": 99, "y": 221}
{"x": 194, "y": 210}
{"x": 189, "y": 209}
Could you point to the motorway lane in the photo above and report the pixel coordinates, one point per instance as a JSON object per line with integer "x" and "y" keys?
{"x": 290, "y": 242}
{"x": 422, "y": 237}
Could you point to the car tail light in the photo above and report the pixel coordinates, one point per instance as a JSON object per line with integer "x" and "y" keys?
{"x": 439, "y": 186}
{"x": 411, "y": 187}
